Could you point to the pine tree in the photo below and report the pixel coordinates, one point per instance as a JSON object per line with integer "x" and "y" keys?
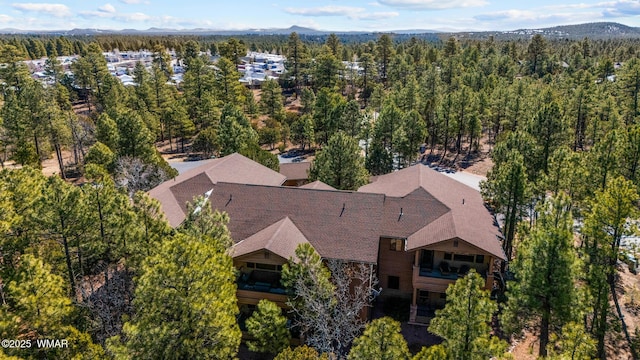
{"x": 434, "y": 352}
{"x": 605, "y": 224}
{"x": 506, "y": 190}
{"x": 303, "y": 352}
{"x": 63, "y": 218}
{"x": 573, "y": 343}
{"x": 464, "y": 321}
{"x": 297, "y": 60}
{"x": 185, "y": 304}
{"x": 271, "y": 100}
{"x": 326, "y": 70}
{"x": 381, "y": 340}
{"x": 229, "y": 89}
{"x": 200, "y": 88}
{"x": 235, "y": 131}
{"x": 325, "y": 104}
{"x": 384, "y": 54}
{"x": 545, "y": 267}
{"x": 37, "y": 308}
{"x": 269, "y": 328}
{"x": 340, "y": 164}
{"x": 302, "y": 131}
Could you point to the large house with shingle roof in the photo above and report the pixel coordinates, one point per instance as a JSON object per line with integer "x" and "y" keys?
{"x": 419, "y": 228}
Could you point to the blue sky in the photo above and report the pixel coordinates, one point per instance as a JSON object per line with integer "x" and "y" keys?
{"x": 335, "y": 15}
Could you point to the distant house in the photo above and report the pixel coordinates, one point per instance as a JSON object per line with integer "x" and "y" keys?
{"x": 419, "y": 229}
{"x": 297, "y": 173}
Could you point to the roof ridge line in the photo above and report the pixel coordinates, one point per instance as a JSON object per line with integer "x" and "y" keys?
{"x": 278, "y": 230}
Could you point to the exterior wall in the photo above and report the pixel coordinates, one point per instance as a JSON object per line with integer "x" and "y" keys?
{"x": 395, "y": 263}
{"x": 261, "y": 257}
{"x": 253, "y": 297}
{"x": 463, "y": 248}
{"x": 437, "y": 283}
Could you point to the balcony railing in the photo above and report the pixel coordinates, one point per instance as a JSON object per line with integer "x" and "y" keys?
{"x": 444, "y": 271}
{"x": 261, "y": 281}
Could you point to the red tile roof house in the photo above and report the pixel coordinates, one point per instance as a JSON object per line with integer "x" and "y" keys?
{"x": 419, "y": 228}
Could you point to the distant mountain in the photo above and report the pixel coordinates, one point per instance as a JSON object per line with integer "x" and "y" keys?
{"x": 591, "y": 30}
{"x": 599, "y": 30}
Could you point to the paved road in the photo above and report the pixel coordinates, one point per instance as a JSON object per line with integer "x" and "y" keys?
{"x": 466, "y": 178}
{"x": 184, "y": 166}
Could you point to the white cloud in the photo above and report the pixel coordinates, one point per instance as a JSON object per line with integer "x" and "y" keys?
{"x": 308, "y": 23}
{"x": 134, "y": 17}
{"x": 5, "y": 18}
{"x": 550, "y": 15}
{"x": 330, "y": 10}
{"x": 621, "y": 8}
{"x": 130, "y": 2}
{"x": 377, "y": 15}
{"x": 108, "y": 11}
{"x": 108, "y": 8}
{"x": 432, "y": 4}
{"x": 538, "y": 18}
{"x": 356, "y": 13}
{"x": 57, "y": 10}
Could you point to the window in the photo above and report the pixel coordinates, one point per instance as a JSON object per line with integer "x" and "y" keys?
{"x": 455, "y": 243}
{"x": 447, "y": 256}
{"x": 479, "y": 259}
{"x": 464, "y": 258}
{"x": 393, "y": 282}
{"x": 423, "y": 297}
{"x": 397, "y": 245}
{"x": 267, "y": 267}
{"x": 443, "y": 295}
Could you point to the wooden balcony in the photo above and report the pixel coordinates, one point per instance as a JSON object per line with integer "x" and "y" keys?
{"x": 258, "y": 285}
{"x": 253, "y": 297}
{"x": 435, "y": 280}
{"x": 431, "y": 281}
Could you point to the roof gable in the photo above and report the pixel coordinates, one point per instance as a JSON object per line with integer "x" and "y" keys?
{"x": 281, "y": 238}
{"x": 467, "y": 218}
{"x": 173, "y": 194}
{"x": 404, "y": 216}
{"x": 338, "y": 224}
{"x": 295, "y": 170}
{"x": 318, "y": 185}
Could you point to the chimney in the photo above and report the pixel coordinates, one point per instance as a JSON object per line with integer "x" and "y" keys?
{"x": 401, "y": 213}
{"x": 342, "y": 211}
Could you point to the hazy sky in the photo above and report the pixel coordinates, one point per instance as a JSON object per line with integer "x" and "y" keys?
{"x": 337, "y": 15}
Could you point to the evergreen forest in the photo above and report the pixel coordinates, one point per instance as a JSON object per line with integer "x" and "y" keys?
{"x": 86, "y": 255}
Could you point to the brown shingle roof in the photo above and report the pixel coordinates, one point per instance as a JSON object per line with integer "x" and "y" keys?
{"x": 281, "y": 238}
{"x": 174, "y": 194}
{"x": 338, "y": 224}
{"x": 318, "y": 185}
{"x": 416, "y": 203}
{"x": 418, "y": 210}
{"x": 295, "y": 171}
{"x": 467, "y": 218}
